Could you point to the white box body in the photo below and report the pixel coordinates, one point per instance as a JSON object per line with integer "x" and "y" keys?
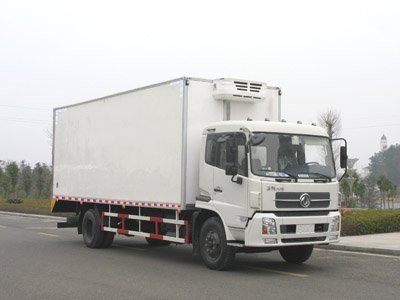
{"x": 143, "y": 145}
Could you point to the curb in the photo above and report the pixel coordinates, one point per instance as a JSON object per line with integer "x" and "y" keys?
{"x": 382, "y": 251}
{"x": 32, "y": 216}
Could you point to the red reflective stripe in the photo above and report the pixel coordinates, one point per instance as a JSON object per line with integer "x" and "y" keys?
{"x": 156, "y": 219}
{"x": 123, "y": 216}
{"x": 102, "y": 221}
{"x": 156, "y": 236}
{"x": 122, "y": 231}
{"x": 103, "y": 201}
{"x": 187, "y": 232}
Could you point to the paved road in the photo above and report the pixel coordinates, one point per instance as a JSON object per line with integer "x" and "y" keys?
{"x": 38, "y": 261}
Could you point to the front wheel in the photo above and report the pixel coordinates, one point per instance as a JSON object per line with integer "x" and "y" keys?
{"x": 214, "y": 251}
{"x": 296, "y": 254}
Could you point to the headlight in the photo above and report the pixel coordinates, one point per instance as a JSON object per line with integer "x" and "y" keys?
{"x": 268, "y": 226}
{"x": 335, "y": 226}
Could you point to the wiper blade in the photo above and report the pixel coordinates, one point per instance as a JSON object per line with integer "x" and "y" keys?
{"x": 321, "y": 175}
{"x": 290, "y": 175}
{"x": 280, "y": 174}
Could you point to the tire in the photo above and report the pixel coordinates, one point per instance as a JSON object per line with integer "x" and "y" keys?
{"x": 92, "y": 234}
{"x": 156, "y": 242}
{"x": 108, "y": 239}
{"x": 214, "y": 251}
{"x": 296, "y": 254}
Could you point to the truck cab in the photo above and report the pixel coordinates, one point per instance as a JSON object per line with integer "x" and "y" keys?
{"x": 272, "y": 184}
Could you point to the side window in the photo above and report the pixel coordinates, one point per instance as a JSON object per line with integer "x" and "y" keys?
{"x": 216, "y": 148}
{"x": 211, "y": 149}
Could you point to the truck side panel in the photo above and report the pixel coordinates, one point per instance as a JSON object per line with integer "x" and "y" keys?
{"x": 124, "y": 147}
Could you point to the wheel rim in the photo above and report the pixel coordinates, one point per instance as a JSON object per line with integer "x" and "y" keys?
{"x": 213, "y": 244}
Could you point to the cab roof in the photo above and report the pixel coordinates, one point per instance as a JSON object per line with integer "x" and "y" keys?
{"x": 265, "y": 126}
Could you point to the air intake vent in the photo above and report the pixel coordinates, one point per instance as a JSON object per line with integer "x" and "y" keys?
{"x": 239, "y": 90}
{"x": 248, "y": 86}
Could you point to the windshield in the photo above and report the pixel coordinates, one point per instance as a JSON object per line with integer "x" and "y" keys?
{"x": 285, "y": 155}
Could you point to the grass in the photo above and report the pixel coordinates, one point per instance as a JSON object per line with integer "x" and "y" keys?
{"x": 359, "y": 222}
{"x": 37, "y": 203}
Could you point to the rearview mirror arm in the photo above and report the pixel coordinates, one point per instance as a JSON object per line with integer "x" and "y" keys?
{"x": 345, "y": 143}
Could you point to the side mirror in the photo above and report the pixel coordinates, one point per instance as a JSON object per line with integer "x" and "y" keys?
{"x": 343, "y": 157}
{"x": 231, "y": 169}
{"x": 231, "y": 151}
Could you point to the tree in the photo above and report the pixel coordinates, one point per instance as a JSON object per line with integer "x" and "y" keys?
{"x": 360, "y": 189}
{"x": 384, "y": 185}
{"x": 370, "y": 185}
{"x": 12, "y": 171}
{"x": 386, "y": 163}
{"x": 1, "y": 180}
{"x": 345, "y": 187}
{"x": 26, "y": 177}
{"x": 5, "y": 185}
{"x": 39, "y": 180}
{"x": 331, "y": 121}
{"x": 392, "y": 193}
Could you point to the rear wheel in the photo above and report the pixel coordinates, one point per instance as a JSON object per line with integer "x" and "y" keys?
{"x": 92, "y": 234}
{"x": 108, "y": 239}
{"x": 296, "y": 254}
{"x": 214, "y": 251}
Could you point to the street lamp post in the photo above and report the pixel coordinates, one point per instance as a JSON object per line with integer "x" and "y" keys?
{"x": 350, "y": 180}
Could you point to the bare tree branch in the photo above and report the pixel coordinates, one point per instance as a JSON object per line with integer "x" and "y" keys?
{"x": 331, "y": 121}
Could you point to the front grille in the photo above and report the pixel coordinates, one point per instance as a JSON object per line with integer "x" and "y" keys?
{"x": 304, "y": 240}
{"x": 301, "y": 213}
{"x": 291, "y": 229}
{"x": 292, "y": 200}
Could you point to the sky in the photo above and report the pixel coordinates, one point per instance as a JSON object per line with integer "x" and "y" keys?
{"x": 341, "y": 55}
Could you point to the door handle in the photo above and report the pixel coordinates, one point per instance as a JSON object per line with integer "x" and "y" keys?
{"x": 218, "y": 190}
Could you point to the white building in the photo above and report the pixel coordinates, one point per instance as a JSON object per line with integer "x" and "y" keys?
{"x": 384, "y": 142}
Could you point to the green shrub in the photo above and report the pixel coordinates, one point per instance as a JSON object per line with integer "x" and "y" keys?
{"x": 358, "y": 222}
{"x": 351, "y": 203}
{"x": 14, "y": 201}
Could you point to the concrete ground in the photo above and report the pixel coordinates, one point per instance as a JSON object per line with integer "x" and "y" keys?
{"x": 39, "y": 261}
{"x": 382, "y": 243}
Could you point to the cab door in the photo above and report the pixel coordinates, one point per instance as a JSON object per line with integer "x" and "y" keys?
{"x": 230, "y": 192}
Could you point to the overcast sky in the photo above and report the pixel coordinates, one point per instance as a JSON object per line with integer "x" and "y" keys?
{"x": 343, "y": 55}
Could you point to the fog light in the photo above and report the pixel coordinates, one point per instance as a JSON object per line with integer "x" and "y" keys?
{"x": 333, "y": 237}
{"x": 335, "y": 225}
{"x": 268, "y": 226}
{"x": 270, "y": 241}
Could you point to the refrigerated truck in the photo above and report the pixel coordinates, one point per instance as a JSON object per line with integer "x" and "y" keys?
{"x": 195, "y": 161}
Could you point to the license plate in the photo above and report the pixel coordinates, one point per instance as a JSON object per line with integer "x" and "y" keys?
{"x": 305, "y": 228}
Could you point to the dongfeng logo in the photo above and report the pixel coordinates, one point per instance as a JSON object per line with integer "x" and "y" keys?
{"x": 305, "y": 200}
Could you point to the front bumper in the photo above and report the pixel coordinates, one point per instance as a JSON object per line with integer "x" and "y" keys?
{"x": 293, "y": 230}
